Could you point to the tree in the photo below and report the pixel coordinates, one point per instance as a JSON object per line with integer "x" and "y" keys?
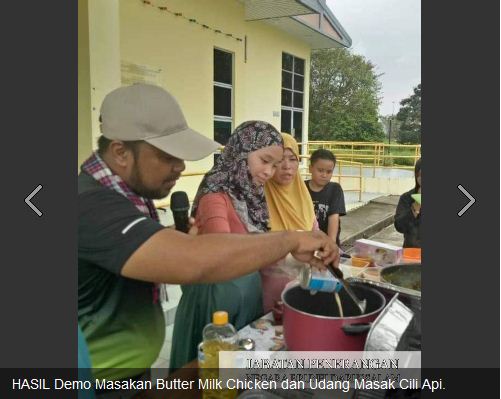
{"x": 409, "y": 116}
{"x": 344, "y": 97}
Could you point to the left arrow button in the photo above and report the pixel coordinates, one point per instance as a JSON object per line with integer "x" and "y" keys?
{"x": 29, "y": 197}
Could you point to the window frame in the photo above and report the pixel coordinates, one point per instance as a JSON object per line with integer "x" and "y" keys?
{"x": 293, "y": 90}
{"x": 223, "y": 118}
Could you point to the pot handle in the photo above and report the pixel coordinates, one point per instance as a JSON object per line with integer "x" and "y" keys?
{"x": 356, "y": 328}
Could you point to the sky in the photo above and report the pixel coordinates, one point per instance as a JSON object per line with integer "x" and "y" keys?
{"x": 388, "y": 33}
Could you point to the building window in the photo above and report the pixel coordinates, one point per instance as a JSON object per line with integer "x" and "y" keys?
{"x": 292, "y": 95}
{"x": 223, "y": 96}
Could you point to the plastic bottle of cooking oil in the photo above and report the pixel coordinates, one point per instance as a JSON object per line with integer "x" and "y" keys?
{"x": 217, "y": 336}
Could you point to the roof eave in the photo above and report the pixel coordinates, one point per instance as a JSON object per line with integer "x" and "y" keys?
{"x": 337, "y": 25}
{"x": 307, "y": 7}
{"x": 345, "y": 39}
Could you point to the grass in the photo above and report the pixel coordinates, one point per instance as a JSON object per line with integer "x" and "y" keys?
{"x": 396, "y": 153}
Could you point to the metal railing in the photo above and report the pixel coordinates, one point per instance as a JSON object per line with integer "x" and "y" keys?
{"x": 370, "y": 154}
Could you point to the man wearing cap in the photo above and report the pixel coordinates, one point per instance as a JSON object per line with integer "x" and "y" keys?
{"x": 123, "y": 250}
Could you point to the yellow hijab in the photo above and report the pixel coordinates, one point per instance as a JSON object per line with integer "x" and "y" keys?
{"x": 290, "y": 207}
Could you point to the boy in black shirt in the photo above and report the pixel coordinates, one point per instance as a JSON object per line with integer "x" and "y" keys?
{"x": 327, "y": 196}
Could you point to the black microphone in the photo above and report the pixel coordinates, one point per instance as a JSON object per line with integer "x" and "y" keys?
{"x": 180, "y": 205}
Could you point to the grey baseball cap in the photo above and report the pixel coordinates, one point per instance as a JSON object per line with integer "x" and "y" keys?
{"x": 147, "y": 112}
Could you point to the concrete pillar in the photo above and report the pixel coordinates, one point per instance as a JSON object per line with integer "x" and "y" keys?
{"x": 98, "y": 65}
{"x": 84, "y": 101}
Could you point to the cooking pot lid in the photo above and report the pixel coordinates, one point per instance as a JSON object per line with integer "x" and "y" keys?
{"x": 389, "y": 327}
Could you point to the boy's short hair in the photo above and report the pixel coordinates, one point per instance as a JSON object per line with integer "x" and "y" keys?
{"x": 322, "y": 154}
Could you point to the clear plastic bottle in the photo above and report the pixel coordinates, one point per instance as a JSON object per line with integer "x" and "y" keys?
{"x": 218, "y": 336}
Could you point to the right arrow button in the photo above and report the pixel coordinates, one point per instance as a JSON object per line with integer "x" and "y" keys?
{"x": 467, "y": 206}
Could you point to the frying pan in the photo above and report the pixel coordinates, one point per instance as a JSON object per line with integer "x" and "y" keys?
{"x": 407, "y": 275}
{"x": 397, "y": 278}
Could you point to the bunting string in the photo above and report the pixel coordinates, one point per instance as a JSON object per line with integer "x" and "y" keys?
{"x": 178, "y": 14}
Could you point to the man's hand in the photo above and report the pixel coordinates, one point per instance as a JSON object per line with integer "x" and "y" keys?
{"x": 315, "y": 248}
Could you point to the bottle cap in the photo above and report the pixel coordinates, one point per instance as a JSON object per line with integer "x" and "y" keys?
{"x": 220, "y": 318}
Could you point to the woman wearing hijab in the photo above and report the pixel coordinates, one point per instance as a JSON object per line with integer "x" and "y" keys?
{"x": 291, "y": 208}
{"x": 408, "y": 213}
{"x": 230, "y": 199}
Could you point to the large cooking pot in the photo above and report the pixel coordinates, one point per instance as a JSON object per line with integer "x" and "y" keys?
{"x": 312, "y": 322}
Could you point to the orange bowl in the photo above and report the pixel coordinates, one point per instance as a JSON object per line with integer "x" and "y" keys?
{"x": 360, "y": 262}
{"x": 412, "y": 254}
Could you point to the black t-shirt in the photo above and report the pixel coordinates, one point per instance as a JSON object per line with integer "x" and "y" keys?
{"x": 327, "y": 202}
{"x": 406, "y": 223}
{"x": 123, "y": 326}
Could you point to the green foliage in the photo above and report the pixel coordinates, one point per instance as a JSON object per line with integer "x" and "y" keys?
{"x": 409, "y": 116}
{"x": 401, "y": 156}
{"x": 344, "y": 90}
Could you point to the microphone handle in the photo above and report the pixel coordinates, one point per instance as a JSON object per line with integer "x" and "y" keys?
{"x": 181, "y": 221}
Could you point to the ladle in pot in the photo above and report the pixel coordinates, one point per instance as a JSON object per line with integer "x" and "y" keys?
{"x": 361, "y": 304}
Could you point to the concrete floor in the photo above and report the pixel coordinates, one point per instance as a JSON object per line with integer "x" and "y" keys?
{"x": 367, "y": 220}
{"x": 352, "y": 199}
{"x": 389, "y": 236}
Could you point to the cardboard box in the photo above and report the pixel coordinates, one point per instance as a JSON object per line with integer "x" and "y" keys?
{"x": 382, "y": 254}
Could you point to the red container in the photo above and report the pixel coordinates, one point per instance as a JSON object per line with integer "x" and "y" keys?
{"x": 313, "y": 323}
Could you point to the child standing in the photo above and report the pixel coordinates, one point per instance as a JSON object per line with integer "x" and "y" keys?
{"x": 327, "y": 196}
